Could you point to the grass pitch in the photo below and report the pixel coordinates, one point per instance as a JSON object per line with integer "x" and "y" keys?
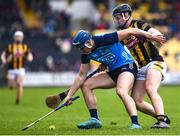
{"x": 111, "y": 111}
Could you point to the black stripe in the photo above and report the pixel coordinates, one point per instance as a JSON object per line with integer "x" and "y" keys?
{"x": 154, "y": 52}
{"x": 144, "y": 52}
{"x": 138, "y": 59}
{"x": 12, "y": 47}
{"x": 18, "y": 63}
{"x": 14, "y": 57}
{"x": 159, "y": 66}
{"x": 23, "y": 46}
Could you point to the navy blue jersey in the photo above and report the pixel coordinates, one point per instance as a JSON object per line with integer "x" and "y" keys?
{"x": 108, "y": 51}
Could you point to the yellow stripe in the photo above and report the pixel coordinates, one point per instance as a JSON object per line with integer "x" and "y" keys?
{"x": 132, "y": 53}
{"x": 25, "y": 49}
{"x": 21, "y": 57}
{"x": 135, "y": 24}
{"x": 9, "y": 48}
{"x": 160, "y": 64}
{"x": 141, "y": 57}
{"x": 158, "y": 68}
{"x": 144, "y": 26}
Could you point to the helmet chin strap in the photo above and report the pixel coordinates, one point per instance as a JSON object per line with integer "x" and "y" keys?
{"x": 91, "y": 44}
{"x": 126, "y": 20}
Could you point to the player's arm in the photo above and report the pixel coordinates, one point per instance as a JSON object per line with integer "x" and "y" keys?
{"x": 3, "y": 57}
{"x": 29, "y": 57}
{"x": 123, "y": 34}
{"x": 79, "y": 80}
{"x": 28, "y": 54}
{"x": 154, "y": 31}
{"x": 146, "y": 27}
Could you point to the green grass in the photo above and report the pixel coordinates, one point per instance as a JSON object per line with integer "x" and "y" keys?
{"x": 14, "y": 117}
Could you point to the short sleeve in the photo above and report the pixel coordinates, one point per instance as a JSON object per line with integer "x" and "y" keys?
{"x": 26, "y": 49}
{"x": 143, "y": 26}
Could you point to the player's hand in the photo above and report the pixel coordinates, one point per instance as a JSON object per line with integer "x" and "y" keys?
{"x": 68, "y": 100}
{"x": 161, "y": 39}
{"x": 102, "y": 67}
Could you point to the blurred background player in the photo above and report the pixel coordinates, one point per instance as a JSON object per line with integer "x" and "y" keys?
{"x": 18, "y": 52}
{"x": 152, "y": 67}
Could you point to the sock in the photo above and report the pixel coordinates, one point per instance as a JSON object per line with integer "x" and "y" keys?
{"x": 134, "y": 120}
{"x": 62, "y": 95}
{"x": 160, "y": 118}
{"x": 93, "y": 113}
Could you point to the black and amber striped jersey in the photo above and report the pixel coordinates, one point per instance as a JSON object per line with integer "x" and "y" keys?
{"x": 141, "y": 49}
{"x": 18, "y": 53}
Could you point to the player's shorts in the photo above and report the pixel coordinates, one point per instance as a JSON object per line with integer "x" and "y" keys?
{"x": 114, "y": 74}
{"x": 13, "y": 73}
{"x": 158, "y": 65}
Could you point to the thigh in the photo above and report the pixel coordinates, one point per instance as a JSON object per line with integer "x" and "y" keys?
{"x": 125, "y": 81}
{"x": 19, "y": 79}
{"x": 11, "y": 82}
{"x": 11, "y": 75}
{"x": 158, "y": 67}
{"x": 138, "y": 90}
{"x": 100, "y": 81}
{"x": 20, "y": 75}
{"x": 153, "y": 78}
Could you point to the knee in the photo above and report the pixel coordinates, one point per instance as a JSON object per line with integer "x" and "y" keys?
{"x": 149, "y": 89}
{"x": 138, "y": 103}
{"x": 138, "y": 100}
{"x": 19, "y": 84}
{"x": 11, "y": 87}
{"x": 121, "y": 93}
{"x": 86, "y": 86}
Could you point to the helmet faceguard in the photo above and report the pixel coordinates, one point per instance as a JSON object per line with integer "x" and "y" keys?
{"x": 81, "y": 39}
{"x": 120, "y": 10}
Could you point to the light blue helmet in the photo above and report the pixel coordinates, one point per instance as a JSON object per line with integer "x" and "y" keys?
{"x": 81, "y": 38}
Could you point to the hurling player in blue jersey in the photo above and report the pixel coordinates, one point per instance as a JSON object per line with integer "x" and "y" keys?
{"x": 107, "y": 50}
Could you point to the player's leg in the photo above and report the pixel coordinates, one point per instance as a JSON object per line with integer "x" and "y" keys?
{"x": 154, "y": 77}
{"x": 124, "y": 84}
{"x": 95, "y": 83}
{"x": 11, "y": 79}
{"x": 19, "y": 83}
{"x": 138, "y": 94}
{"x": 100, "y": 81}
{"x": 124, "y": 78}
{"x": 152, "y": 84}
{"x": 11, "y": 83}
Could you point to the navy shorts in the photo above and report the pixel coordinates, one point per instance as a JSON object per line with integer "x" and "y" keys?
{"x": 132, "y": 68}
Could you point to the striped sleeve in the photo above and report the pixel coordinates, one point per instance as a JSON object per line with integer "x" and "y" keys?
{"x": 26, "y": 49}
{"x": 142, "y": 25}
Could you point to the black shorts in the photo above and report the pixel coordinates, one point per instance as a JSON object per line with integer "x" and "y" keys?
{"x": 132, "y": 68}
